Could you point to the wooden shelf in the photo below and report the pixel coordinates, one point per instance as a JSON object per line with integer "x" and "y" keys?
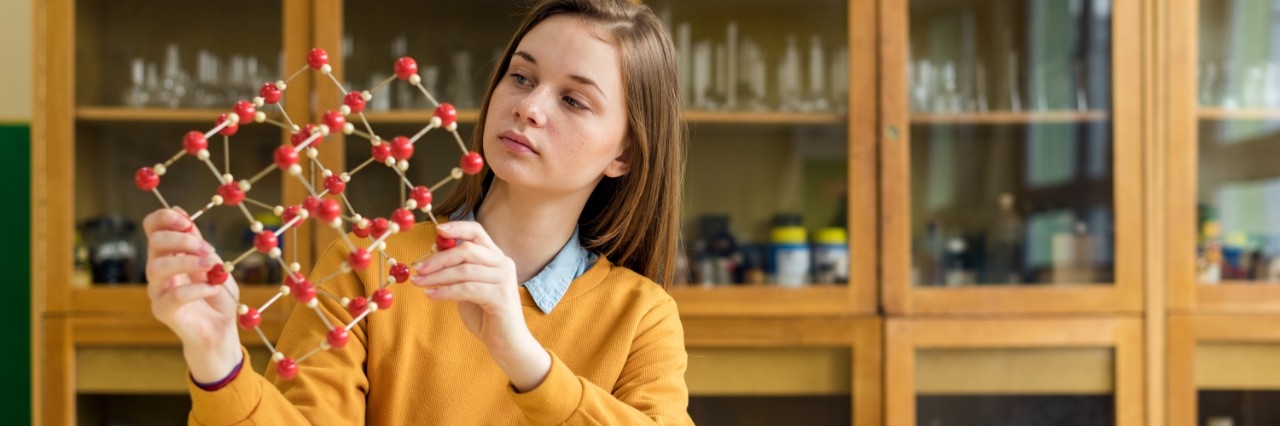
{"x": 763, "y": 301}
{"x": 102, "y": 114}
{"x": 1216, "y": 113}
{"x": 745, "y": 117}
{"x": 131, "y": 299}
{"x": 1010, "y": 117}
{"x": 421, "y": 116}
{"x": 412, "y": 116}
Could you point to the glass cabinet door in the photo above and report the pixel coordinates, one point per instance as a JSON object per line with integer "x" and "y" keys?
{"x": 1222, "y": 369}
{"x": 1012, "y": 124}
{"x": 1226, "y": 194}
{"x": 141, "y": 81}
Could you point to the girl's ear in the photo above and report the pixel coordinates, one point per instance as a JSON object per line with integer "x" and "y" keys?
{"x": 619, "y": 166}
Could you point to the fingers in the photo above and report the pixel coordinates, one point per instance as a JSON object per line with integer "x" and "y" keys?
{"x": 464, "y": 253}
{"x": 160, "y": 270}
{"x": 166, "y": 242}
{"x": 168, "y": 301}
{"x": 460, "y": 274}
{"x": 467, "y": 231}
{"x": 166, "y": 219}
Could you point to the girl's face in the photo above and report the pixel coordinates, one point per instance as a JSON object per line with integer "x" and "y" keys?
{"x": 557, "y": 120}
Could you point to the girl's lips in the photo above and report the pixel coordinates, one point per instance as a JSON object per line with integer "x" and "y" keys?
{"x": 516, "y": 142}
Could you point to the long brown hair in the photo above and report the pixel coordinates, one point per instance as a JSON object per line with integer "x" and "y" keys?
{"x": 632, "y": 220}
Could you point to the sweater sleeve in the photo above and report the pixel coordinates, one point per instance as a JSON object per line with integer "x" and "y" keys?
{"x": 650, "y": 389}
{"x": 331, "y": 385}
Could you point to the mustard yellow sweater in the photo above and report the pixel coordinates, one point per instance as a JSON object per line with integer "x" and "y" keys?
{"x": 616, "y": 344}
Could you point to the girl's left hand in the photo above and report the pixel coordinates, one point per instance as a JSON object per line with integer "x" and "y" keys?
{"x": 482, "y": 279}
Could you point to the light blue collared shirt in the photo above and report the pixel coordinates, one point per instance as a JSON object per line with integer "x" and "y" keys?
{"x": 550, "y": 284}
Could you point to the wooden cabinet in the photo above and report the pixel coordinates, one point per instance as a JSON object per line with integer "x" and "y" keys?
{"x": 1220, "y": 369}
{"x": 1223, "y": 227}
{"x": 1010, "y": 159}
{"x": 1014, "y": 371}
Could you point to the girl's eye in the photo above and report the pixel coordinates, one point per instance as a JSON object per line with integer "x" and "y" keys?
{"x": 574, "y": 102}
{"x": 520, "y": 79}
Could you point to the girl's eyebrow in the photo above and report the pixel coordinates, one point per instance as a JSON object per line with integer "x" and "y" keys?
{"x": 577, "y": 78}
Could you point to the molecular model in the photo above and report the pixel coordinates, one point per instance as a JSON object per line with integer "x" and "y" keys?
{"x": 304, "y": 140}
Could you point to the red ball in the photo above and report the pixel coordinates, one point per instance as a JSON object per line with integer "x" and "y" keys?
{"x": 230, "y": 129}
{"x": 270, "y": 93}
{"x": 146, "y": 179}
{"x": 329, "y": 210}
{"x": 400, "y": 271}
{"x": 294, "y": 280}
{"x": 334, "y": 120}
{"x": 357, "y": 306}
{"x": 443, "y": 243}
{"x": 216, "y": 275}
{"x": 381, "y": 152}
{"x": 337, "y": 337}
{"x": 317, "y": 58}
{"x": 404, "y": 218}
{"x": 251, "y": 319}
{"x": 360, "y": 232}
{"x": 359, "y": 259}
{"x": 245, "y": 110}
{"x": 311, "y": 203}
{"x": 194, "y": 141}
{"x": 285, "y": 156}
{"x": 472, "y": 163}
{"x": 447, "y": 113}
{"x": 265, "y": 241}
{"x": 334, "y": 184}
{"x": 231, "y": 193}
{"x": 383, "y": 298}
{"x": 305, "y": 133}
{"x": 290, "y": 213}
{"x": 421, "y": 195}
{"x": 287, "y": 368}
{"x": 355, "y": 101}
{"x": 401, "y": 148}
{"x": 378, "y": 227}
{"x": 406, "y": 67}
{"x": 303, "y": 291}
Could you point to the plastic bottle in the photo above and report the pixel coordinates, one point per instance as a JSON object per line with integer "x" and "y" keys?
{"x": 790, "y": 255}
{"x": 831, "y": 256}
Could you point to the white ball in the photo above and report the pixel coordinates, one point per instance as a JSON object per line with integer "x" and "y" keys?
{"x": 366, "y": 95}
{"x": 391, "y": 162}
{"x": 345, "y": 301}
{"x": 274, "y": 253}
{"x": 245, "y": 185}
{"x": 391, "y": 261}
{"x": 203, "y": 154}
{"x": 336, "y": 224}
{"x": 326, "y": 173}
{"x": 217, "y": 200}
{"x": 233, "y": 119}
{"x": 456, "y": 173}
{"x": 346, "y": 267}
{"x": 453, "y": 127}
{"x": 256, "y": 227}
{"x": 344, "y": 177}
{"x": 295, "y": 267}
{"x": 426, "y": 208}
{"x": 259, "y": 117}
{"x": 159, "y": 169}
{"x": 393, "y": 227}
{"x": 295, "y": 169}
{"x": 324, "y": 344}
{"x": 324, "y": 129}
{"x": 243, "y": 309}
{"x": 313, "y": 302}
{"x": 295, "y": 129}
{"x": 411, "y": 204}
{"x": 326, "y": 69}
{"x": 278, "y": 356}
{"x": 284, "y": 289}
{"x": 228, "y": 266}
{"x": 403, "y": 165}
{"x": 227, "y": 177}
{"x": 258, "y": 101}
{"x": 348, "y": 128}
{"x": 280, "y": 85}
{"x": 313, "y": 153}
{"x": 435, "y": 122}
{"x": 345, "y": 110}
{"x": 279, "y": 211}
{"x": 415, "y": 79}
{"x": 373, "y": 306}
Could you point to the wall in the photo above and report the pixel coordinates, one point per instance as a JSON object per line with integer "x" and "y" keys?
{"x": 15, "y": 171}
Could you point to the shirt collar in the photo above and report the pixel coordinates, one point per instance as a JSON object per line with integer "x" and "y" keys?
{"x": 551, "y": 283}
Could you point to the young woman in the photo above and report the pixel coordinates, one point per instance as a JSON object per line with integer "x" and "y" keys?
{"x": 546, "y": 312}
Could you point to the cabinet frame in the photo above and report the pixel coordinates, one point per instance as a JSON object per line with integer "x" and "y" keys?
{"x": 904, "y": 336}
{"x": 900, "y": 296}
{"x": 1186, "y": 331}
{"x": 1186, "y": 292}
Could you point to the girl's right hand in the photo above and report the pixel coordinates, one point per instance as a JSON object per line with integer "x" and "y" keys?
{"x": 202, "y": 315}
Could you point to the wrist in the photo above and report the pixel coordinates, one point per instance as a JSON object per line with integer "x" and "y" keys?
{"x": 526, "y": 363}
{"x": 210, "y": 364}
